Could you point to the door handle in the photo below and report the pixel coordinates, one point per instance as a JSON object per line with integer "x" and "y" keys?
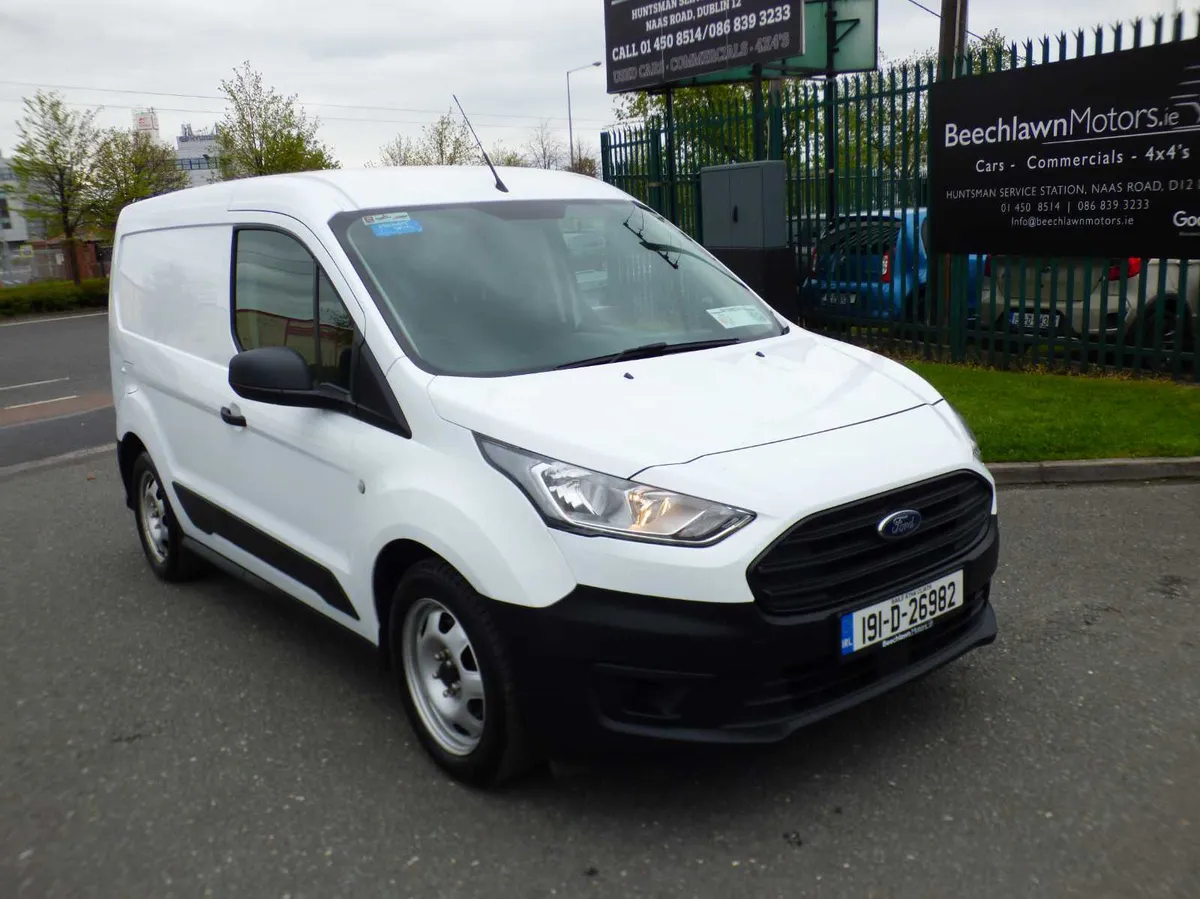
{"x": 227, "y": 416}
{"x": 735, "y": 213}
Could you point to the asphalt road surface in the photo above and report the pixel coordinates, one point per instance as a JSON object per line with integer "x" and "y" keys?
{"x": 207, "y": 740}
{"x": 55, "y": 389}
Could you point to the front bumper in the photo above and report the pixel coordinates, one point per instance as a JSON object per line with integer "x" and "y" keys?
{"x": 602, "y": 668}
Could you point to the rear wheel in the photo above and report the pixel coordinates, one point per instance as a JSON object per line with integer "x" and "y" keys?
{"x": 1176, "y": 330}
{"x": 158, "y": 529}
{"x": 454, "y": 677}
{"x": 920, "y": 314}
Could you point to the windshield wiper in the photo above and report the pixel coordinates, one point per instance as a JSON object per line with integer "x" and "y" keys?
{"x": 659, "y": 249}
{"x": 649, "y": 350}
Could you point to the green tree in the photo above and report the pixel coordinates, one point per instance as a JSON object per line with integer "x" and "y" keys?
{"x": 444, "y": 141}
{"x": 713, "y": 125}
{"x": 265, "y": 133}
{"x": 583, "y": 161}
{"x": 448, "y": 141}
{"x": 882, "y": 125}
{"x": 887, "y": 129}
{"x": 130, "y": 166}
{"x": 400, "y": 150}
{"x": 502, "y": 155}
{"x": 52, "y": 162}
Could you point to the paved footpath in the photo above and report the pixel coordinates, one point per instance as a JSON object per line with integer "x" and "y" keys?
{"x": 208, "y": 741}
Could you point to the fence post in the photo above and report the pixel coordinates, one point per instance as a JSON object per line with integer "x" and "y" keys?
{"x": 759, "y": 115}
{"x": 606, "y": 172}
{"x": 831, "y": 110}
{"x": 671, "y": 211}
{"x": 775, "y": 123}
{"x": 654, "y": 168}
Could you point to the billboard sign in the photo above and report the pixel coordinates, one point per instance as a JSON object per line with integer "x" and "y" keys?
{"x": 145, "y": 120}
{"x": 1098, "y": 156}
{"x": 655, "y": 43}
{"x": 856, "y": 47}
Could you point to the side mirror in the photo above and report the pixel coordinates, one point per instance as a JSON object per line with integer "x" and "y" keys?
{"x": 274, "y": 374}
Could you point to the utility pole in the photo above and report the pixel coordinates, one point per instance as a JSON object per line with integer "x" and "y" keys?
{"x": 830, "y": 113}
{"x": 953, "y": 37}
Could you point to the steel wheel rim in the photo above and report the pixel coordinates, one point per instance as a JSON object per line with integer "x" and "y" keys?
{"x": 154, "y": 517}
{"x": 1170, "y": 327}
{"x": 443, "y": 676}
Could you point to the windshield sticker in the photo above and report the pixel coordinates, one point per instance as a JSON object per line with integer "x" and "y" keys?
{"x": 385, "y": 217}
{"x": 738, "y": 316}
{"x": 387, "y": 229}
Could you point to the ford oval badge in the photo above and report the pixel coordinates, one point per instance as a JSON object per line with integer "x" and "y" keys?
{"x": 900, "y": 524}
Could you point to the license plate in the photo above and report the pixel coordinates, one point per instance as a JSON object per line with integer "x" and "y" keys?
{"x": 1032, "y": 320}
{"x": 840, "y": 299}
{"x": 901, "y": 616}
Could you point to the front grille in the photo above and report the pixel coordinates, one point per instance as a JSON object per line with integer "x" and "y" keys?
{"x": 805, "y": 688}
{"x": 836, "y": 557}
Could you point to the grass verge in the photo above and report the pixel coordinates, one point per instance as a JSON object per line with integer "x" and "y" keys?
{"x": 1035, "y": 417}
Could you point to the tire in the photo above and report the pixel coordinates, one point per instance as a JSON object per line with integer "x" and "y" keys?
{"x": 916, "y": 313}
{"x": 466, "y": 652}
{"x": 158, "y": 529}
{"x": 1177, "y": 329}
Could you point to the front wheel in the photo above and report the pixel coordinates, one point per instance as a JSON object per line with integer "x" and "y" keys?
{"x": 454, "y": 677}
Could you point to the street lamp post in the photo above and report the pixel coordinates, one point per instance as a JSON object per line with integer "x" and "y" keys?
{"x": 570, "y": 123}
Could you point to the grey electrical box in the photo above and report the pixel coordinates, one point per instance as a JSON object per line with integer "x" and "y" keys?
{"x": 744, "y": 206}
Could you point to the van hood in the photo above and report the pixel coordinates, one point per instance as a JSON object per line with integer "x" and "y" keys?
{"x": 623, "y": 417}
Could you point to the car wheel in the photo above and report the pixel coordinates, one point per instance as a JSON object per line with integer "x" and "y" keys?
{"x": 920, "y": 311}
{"x": 158, "y": 529}
{"x": 454, "y": 677}
{"x": 1176, "y": 330}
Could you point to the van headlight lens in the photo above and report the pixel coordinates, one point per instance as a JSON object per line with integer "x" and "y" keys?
{"x": 585, "y": 501}
{"x": 966, "y": 429}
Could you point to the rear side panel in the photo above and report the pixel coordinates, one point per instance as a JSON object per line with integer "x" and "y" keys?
{"x": 170, "y": 342}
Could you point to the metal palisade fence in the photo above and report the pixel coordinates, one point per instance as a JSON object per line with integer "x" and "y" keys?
{"x": 868, "y": 277}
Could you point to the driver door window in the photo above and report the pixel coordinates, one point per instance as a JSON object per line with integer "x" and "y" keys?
{"x": 283, "y": 298}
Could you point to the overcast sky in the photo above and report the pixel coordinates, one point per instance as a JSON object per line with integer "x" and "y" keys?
{"x": 505, "y": 59}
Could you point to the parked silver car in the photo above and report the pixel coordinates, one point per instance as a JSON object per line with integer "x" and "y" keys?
{"x": 1074, "y": 297}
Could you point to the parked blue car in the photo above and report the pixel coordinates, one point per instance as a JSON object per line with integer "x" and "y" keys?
{"x": 876, "y": 265}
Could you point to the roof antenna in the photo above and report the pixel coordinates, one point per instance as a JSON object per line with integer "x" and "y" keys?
{"x": 499, "y": 184}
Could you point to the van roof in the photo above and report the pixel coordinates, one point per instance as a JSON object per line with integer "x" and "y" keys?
{"x": 317, "y": 196}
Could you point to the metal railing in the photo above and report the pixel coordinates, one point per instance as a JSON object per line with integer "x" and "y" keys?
{"x": 873, "y": 134}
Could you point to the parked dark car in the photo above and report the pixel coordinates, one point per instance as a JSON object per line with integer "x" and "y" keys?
{"x": 876, "y": 265}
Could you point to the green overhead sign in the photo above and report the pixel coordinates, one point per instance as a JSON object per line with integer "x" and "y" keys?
{"x": 856, "y": 47}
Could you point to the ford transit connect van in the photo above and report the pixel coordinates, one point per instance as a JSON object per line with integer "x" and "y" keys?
{"x": 578, "y": 483}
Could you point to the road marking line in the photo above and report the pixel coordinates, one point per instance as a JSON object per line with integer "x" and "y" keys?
{"x": 52, "y": 461}
{"x": 35, "y": 384}
{"x": 57, "y": 399}
{"x": 56, "y": 318}
{"x": 30, "y": 422}
{"x": 88, "y": 402}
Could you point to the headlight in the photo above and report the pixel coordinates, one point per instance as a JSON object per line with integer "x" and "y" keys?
{"x": 588, "y": 502}
{"x": 966, "y": 429}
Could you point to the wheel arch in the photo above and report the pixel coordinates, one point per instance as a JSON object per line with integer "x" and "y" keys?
{"x": 129, "y": 448}
{"x": 393, "y": 560}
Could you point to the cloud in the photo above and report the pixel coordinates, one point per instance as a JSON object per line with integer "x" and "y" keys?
{"x": 506, "y": 59}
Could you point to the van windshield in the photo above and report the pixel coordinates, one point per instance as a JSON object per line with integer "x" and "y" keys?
{"x": 511, "y": 287}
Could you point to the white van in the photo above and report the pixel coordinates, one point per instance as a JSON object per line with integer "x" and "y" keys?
{"x": 569, "y": 518}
